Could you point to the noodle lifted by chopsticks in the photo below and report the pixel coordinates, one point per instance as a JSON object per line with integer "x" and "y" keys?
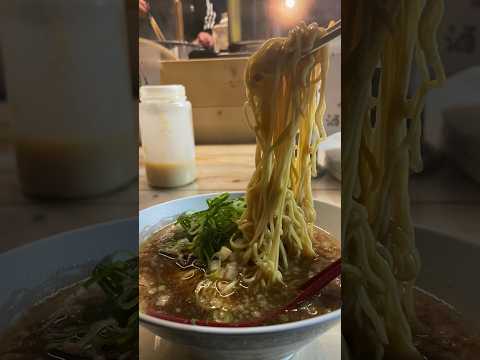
{"x": 287, "y": 96}
{"x": 381, "y": 145}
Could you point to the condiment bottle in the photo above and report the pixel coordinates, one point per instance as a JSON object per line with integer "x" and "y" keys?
{"x": 220, "y": 34}
{"x": 167, "y": 135}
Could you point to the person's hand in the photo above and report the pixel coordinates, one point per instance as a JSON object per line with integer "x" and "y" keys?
{"x": 205, "y": 39}
{"x": 143, "y": 7}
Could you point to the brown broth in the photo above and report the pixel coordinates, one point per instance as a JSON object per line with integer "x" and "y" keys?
{"x": 442, "y": 334}
{"x": 163, "y": 286}
{"x": 70, "y": 307}
{"x": 26, "y": 339}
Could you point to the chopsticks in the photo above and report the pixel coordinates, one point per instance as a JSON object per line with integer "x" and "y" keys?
{"x": 332, "y": 32}
{"x": 156, "y": 29}
{"x": 310, "y": 288}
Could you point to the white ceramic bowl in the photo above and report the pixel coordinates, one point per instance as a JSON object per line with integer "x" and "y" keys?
{"x": 450, "y": 270}
{"x": 259, "y": 343}
{"x": 36, "y": 270}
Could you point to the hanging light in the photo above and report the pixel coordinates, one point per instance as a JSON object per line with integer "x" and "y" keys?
{"x": 290, "y": 4}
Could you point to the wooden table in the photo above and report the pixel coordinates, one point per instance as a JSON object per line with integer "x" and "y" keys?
{"x": 443, "y": 199}
{"x": 23, "y": 219}
{"x": 220, "y": 168}
{"x": 446, "y": 200}
{"x": 223, "y": 168}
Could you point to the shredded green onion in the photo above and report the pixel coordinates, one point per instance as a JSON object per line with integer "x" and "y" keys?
{"x": 211, "y": 229}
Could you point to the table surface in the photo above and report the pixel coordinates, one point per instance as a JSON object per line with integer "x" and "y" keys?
{"x": 435, "y": 195}
{"x": 220, "y": 168}
{"x": 24, "y": 219}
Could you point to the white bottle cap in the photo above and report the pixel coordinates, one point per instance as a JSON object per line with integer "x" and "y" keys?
{"x": 162, "y": 92}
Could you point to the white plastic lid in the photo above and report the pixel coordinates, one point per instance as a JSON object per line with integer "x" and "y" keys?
{"x": 162, "y": 92}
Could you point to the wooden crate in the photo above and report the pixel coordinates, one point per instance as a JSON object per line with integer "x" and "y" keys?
{"x": 217, "y": 91}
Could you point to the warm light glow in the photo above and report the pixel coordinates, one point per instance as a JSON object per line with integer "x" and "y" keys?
{"x": 288, "y": 13}
{"x": 290, "y": 4}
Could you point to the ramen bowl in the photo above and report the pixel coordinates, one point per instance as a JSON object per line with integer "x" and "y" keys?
{"x": 37, "y": 270}
{"x": 272, "y": 342}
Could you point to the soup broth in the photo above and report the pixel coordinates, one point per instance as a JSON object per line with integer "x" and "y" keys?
{"x": 168, "y": 285}
{"x": 441, "y": 333}
{"x": 42, "y": 333}
{"x": 93, "y": 319}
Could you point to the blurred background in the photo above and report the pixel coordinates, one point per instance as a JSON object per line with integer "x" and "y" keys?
{"x": 446, "y": 195}
{"x": 204, "y": 44}
{"x": 68, "y": 164}
{"x": 68, "y": 116}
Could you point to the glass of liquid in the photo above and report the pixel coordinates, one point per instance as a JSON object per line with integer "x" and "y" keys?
{"x": 73, "y": 108}
{"x": 167, "y": 135}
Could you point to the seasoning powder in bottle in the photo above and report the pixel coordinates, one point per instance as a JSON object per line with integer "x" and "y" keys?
{"x": 167, "y": 135}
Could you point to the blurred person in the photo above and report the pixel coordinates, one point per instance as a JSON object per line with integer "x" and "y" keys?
{"x": 143, "y": 7}
{"x": 199, "y": 16}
